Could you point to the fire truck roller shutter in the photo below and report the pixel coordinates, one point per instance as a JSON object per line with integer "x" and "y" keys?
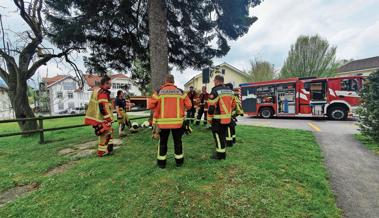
{"x": 249, "y": 99}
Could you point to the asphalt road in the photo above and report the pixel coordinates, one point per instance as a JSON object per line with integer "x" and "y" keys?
{"x": 353, "y": 170}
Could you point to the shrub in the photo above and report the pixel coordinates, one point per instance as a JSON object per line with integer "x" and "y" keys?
{"x": 369, "y": 109}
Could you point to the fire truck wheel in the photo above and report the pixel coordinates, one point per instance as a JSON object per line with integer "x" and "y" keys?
{"x": 266, "y": 112}
{"x": 337, "y": 113}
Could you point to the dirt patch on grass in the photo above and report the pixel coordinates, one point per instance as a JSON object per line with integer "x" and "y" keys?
{"x": 60, "y": 169}
{"x": 85, "y": 149}
{"x": 16, "y": 192}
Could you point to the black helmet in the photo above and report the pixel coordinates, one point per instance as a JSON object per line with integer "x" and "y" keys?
{"x": 229, "y": 85}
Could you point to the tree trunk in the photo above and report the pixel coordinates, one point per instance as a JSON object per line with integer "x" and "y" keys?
{"x": 20, "y": 104}
{"x": 158, "y": 42}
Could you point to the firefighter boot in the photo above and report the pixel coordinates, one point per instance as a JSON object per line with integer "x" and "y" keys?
{"x": 110, "y": 149}
{"x": 161, "y": 164}
{"x": 218, "y": 156}
{"x": 102, "y": 153}
{"x": 179, "y": 162}
{"x": 229, "y": 143}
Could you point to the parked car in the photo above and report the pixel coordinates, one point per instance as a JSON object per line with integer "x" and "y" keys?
{"x": 63, "y": 112}
{"x": 78, "y": 110}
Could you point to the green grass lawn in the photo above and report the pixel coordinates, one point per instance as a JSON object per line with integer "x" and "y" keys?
{"x": 269, "y": 173}
{"x": 368, "y": 142}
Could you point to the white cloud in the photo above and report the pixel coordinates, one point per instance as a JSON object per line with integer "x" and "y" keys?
{"x": 350, "y": 25}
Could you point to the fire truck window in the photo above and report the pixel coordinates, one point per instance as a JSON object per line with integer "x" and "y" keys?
{"x": 317, "y": 91}
{"x": 350, "y": 85}
{"x": 354, "y": 85}
{"x": 307, "y": 86}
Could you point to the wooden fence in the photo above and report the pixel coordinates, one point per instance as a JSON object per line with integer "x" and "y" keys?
{"x": 41, "y": 130}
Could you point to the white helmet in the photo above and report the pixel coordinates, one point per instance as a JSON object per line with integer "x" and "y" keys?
{"x": 145, "y": 124}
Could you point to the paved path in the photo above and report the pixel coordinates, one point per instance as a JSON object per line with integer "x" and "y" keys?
{"x": 353, "y": 170}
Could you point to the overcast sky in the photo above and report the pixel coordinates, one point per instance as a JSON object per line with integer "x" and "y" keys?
{"x": 352, "y": 26}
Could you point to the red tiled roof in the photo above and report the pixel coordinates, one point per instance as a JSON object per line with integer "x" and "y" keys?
{"x": 51, "y": 80}
{"x": 92, "y": 80}
{"x": 119, "y": 75}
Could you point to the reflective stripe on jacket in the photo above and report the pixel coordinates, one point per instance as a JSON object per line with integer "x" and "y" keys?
{"x": 221, "y": 104}
{"x": 169, "y": 105}
{"x": 238, "y": 110}
{"x": 93, "y": 114}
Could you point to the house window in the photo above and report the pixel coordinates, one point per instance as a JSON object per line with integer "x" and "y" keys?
{"x": 118, "y": 86}
{"x": 59, "y": 94}
{"x": 71, "y": 105}
{"x": 223, "y": 71}
{"x": 60, "y": 106}
{"x": 70, "y": 95}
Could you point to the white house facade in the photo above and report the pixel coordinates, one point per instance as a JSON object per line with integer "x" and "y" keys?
{"x": 6, "y": 111}
{"x": 65, "y": 96}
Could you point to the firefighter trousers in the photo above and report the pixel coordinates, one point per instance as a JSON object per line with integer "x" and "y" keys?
{"x": 231, "y": 134}
{"x": 105, "y": 145}
{"x": 200, "y": 113}
{"x": 219, "y": 134}
{"x": 191, "y": 114}
{"x": 178, "y": 147}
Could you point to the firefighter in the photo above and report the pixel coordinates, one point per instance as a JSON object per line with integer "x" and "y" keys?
{"x": 122, "y": 117}
{"x": 221, "y": 103}
{"x": 169, "y": 104}
{"x": 203, "y": 109}
{"x": 191, "y": 112}
{"x": 238, "y": 111}
{"x": 99, "y": 115}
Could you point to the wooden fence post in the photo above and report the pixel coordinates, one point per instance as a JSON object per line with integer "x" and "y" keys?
{"x": 41, "y": 136}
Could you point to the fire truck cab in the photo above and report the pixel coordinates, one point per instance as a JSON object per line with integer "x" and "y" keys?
{"x": 336, "y": 97}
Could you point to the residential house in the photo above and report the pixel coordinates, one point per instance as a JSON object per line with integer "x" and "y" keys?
{"x": 65, "y": 95}
{"x": 230, "y": 73}
{"x": 119, "y": 82}
{"x": 6, "y": 111}
{"x": 359, "y": 67}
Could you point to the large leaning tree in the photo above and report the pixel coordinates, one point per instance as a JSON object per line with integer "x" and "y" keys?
{"x": 182, "y": 33}
{"x": 23, "y": 56}
{"x": 310, "y": 56}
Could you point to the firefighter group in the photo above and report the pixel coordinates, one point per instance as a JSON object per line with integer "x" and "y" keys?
{"x": 173, "y": 112}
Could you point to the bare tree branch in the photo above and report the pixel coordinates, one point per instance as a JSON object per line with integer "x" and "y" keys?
{"x": 32, "y": 23}
{"x": 47, "y": 57}
{"x": 4, "y": 75}
{"x": 8, "y": 59}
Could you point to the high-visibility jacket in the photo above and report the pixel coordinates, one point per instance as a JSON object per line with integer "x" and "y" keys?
{"x": 221, "y": 104}
{"x": 169, "y": 104}
{"x": 99, "y": 108}
{"x": 238, "y": 110}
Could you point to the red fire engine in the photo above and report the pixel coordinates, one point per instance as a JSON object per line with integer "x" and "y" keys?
{"x": 335, "y": 97}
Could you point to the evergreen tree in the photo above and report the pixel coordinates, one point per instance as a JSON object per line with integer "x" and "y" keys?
{"x": 183, "y": 33}
{"x": 369, "y": 110}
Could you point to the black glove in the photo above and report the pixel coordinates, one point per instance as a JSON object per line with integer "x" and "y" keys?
{"x": 186, "y": 127}
{"x": 98, "y": 129}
